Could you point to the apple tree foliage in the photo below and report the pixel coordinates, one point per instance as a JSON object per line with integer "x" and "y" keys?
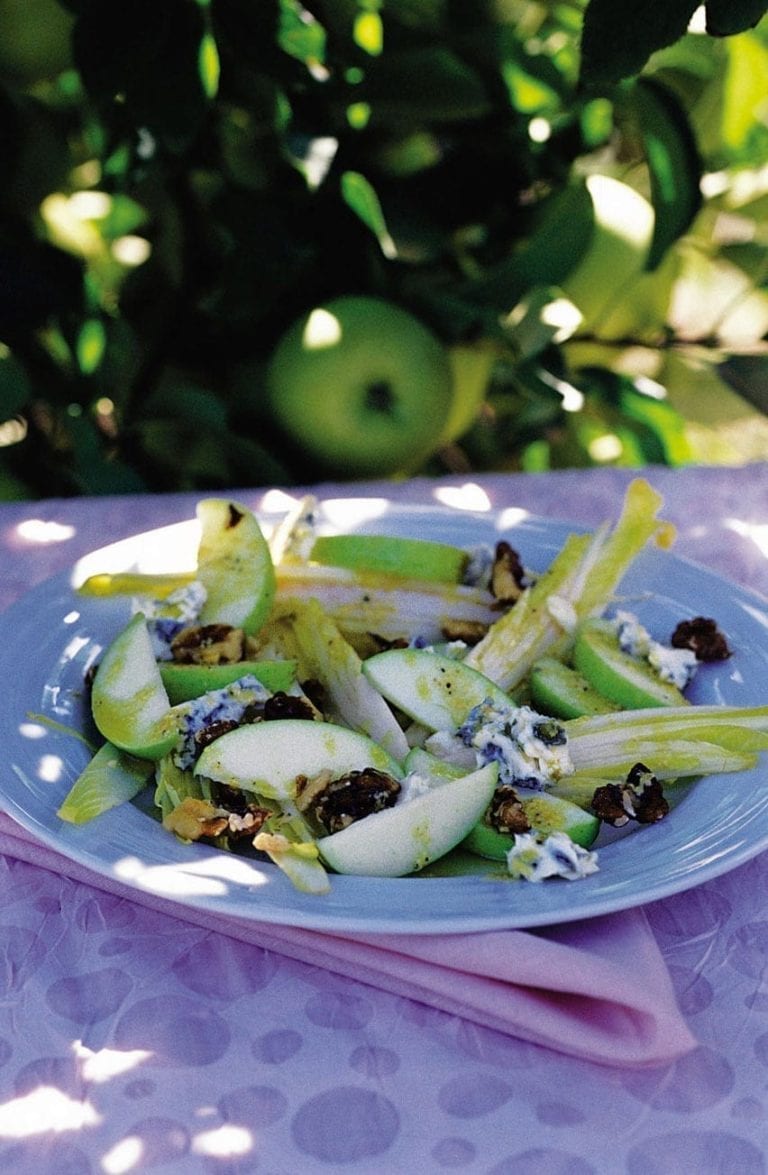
{"x": 183, "y": 179}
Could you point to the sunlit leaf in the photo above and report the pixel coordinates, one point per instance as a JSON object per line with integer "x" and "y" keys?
{"x": 744, "y": 89}
{"x": 90, "y": 345}
{"x": 210, "y": 66}
{"x": 300, "y": 34}
{"x": 362, "y": 199}
{"x": 673, "y": 163}
{"x": 369, "y": 33}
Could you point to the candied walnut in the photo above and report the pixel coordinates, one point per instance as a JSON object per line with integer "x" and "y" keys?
{"x": 640, "y": 798}
{"x": 702, "y": 636}
{"x": 208, "y": 644}
{"x": 282, "y": 705}
{"x": 315, "y": 691}
{"x": 383, "y": 644}
{"x": 507, "y": 574}
{"x": 337, "y": 803}
{"x": 246, "y": 824}
{"x": 506, "y": 813}
{"x": 471, "y": 632}
{"x": 194, "y": 818}
{"x": 208, "y": 734}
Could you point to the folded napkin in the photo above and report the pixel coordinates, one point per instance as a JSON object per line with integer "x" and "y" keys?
{"x": 596, "y": 989}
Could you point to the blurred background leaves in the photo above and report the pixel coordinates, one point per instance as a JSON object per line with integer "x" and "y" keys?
{"x": 572, "y": 195}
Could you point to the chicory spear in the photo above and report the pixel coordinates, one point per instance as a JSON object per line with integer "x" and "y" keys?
{"x": 578, "y": 584}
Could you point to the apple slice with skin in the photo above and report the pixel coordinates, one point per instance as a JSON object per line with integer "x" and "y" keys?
{"x": 129, "y": 702}
{"x": 392, "y": 555}
{"x": 185, "y": 682}
{"x": 563, "y": 692}
{"x": 234, "y": 566}
{"x": 436, "y": 691}
{"x": 267, "y": 757}
{"x": 407, "y": 837}
{"x": 617, "y": 675}
{"x": 546, "y": 814}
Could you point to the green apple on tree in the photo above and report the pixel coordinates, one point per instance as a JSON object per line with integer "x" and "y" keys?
{"x": 392, "y": 555}
{"x": 362, "y": 386}
{"x": 129, "y": 701}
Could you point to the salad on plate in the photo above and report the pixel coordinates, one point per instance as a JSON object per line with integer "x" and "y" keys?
{"x": 383, "y": 706}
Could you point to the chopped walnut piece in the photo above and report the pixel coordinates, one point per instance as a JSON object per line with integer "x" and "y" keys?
{"x": 208, "y": 734}
{"x": 507, "y": 574}
{"x": 337, "y": 803}
{"x": 506, "y": 813}
{"x": 641, "y": 798}
{"x": 471, "y": 632}
{"x": 702, "y": 636}
{"x": 193, "y": 818}
{"x": 208, "y": 644}
{"x": 282, "y": 705}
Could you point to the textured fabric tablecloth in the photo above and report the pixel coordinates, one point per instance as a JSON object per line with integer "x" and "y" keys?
{"x": 131, "y": 1040}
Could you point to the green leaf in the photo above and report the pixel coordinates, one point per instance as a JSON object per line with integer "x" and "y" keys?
{"x": 15, "y": 389}
{"x": 748, "y": 375}
{"x": 363, "y": 201}
{"x": 560, "y": 233}
{"x": 300, "y": 34}
{"x": 406, "y": 87}
{"x": 725, "y": 17}
{"x": 673, "y": 163}
{"x": 618, "y": 38}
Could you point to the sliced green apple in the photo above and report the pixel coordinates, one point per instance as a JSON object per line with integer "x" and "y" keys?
{"x": 392, "y": 555}
{"x": 422, "y": 762}
{"x": 437, "y": 692}
{"x": 407, "y": 837}
{"x": 185, "y": 682}
{"x": 620, "y": 677}
{"x": 563, "y": 692}
{"x": 545, "y": 814}
{"x": 267, "y": 757}
{"x": 234, "y": 565}
{"x": 110, "y": 778}
{"x": 129, "y": 701}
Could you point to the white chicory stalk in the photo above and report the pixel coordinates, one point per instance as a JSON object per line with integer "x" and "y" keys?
{"x": 578, "y": 584}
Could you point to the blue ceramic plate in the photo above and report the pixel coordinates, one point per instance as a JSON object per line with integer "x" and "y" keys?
{"x": 51, "y": 636}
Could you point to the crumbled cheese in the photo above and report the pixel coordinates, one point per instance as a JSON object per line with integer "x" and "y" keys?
{"x": 477, "y": 572}
{"x": 221, "y": 705}
{"x": 414, "y": 785}
{"x": 534, "y": 859}
{"x": 676, "y": 666}
{"x": 531, "y": 749}
{"x": 166, "y": 618}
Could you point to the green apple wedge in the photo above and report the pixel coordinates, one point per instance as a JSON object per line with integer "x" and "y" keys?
{"x": 361, "y": 386}
{"x": 129, "y": 702}
{"x": 267, "y": 757}
{"x": 436, "y": 691}
{"x": 406, "y": 838}
{"x": 545, "y": 814}
{"x": 185, "y": 682}
{"x": 561, "y": 691}
{"x": 619, "y": 676}
{"x": 234, "y": 566}
{"x": 391, "y": 555}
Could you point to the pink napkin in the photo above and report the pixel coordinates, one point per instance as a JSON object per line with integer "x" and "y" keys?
{"x": 596, "y": 989}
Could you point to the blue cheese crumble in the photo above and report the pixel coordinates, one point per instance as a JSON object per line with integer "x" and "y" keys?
{"x": 531, "y": 749}
{"x": 675, "y": 666}
{"x": 532, "y": 858}
{"x": 166, "y": 618}
{"x": 228, "y": 704}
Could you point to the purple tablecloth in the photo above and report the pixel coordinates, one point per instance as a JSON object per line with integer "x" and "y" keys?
{"x": 289, "y": 1067}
